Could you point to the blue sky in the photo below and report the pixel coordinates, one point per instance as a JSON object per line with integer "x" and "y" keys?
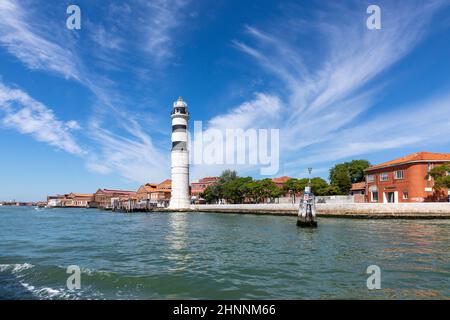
{"x": 89, "y": 108}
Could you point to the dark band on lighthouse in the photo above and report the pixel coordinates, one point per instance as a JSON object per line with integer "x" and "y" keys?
{"x": 179, "y": 128}
{"x": 179, "y": 145}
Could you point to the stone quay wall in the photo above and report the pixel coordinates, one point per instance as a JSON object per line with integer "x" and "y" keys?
{"x": 345, "y": 210}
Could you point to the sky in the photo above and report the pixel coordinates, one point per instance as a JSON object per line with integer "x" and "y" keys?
{"x": 90, "y": 108}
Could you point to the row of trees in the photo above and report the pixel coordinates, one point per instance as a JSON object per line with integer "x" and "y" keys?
{"x": 235, "y": 189}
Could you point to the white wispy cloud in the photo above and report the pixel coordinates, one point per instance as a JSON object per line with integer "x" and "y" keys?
{"x": 166, "y": 17}
{"x": 22, "y": 113}
{"x": 420, "y": 125}
{"x": 22, "y": 40}
{"x": 106, "y": 39}
{"x": 131, "y": 153}
{"x": 135, "y": 158}
{"x": 324, "y": 99}
{"x": 261, "y": 112}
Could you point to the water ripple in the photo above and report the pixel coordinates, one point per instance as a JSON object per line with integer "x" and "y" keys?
{"x": 206, "y": 255}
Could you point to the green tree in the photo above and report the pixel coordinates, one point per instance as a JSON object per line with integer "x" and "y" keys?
{"x": 253, "y": 191}
{"x": 216, "y": 191}
{"x": 269, "y": 189}
{"x": 342, "y": 175}
{"x": 277, "y": 192}
{"x": 441, "y": 176}
{"x": 211, "y": 193}
{"x": 356, "y": 170}
{"x": 328, "y": 191}
{"x": 292, "y": 186}
{"x": 235, "y": 190}
{"x": 228, "y": 175}
{"x": 259, "y": 190}
{"x": 340, "y": 178}
{"x": 318, "y": 185}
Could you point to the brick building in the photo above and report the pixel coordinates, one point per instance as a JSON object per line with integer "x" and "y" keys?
{"x": 144, "y": 192}
{"x": 199, "y": 187}
{"x": 103, "y": 197}
{"x": 78, "y": 200}
{"x": 405, "y": 179}
{"x": 161, "y": 195}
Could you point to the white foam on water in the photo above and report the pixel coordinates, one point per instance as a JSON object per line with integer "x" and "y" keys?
{"x": 27, "y": 286}
{"x": 21, "y": 267}
{"x": 15, "y": 267}
{"x": 47, "y": 292}
{"x": 92, "y": 272}
{"x": 44, "y": 292}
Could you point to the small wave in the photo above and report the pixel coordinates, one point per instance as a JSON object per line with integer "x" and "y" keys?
{"x": 49, "y": 293}
{"x": 95, "y": 272}
{"x": 28, "y": 286}
{"x": 15, "y": 268}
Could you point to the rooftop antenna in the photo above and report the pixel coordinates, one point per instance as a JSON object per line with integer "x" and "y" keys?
{"x": 309, "y": 177}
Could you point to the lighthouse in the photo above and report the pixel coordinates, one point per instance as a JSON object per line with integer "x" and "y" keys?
{"x": 179, "y": 198}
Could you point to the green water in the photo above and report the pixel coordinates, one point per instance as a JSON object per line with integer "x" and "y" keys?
{"x": 217, "y": 256}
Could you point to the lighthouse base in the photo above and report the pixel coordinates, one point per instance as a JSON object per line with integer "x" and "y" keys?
{"x": 179, "y": 204}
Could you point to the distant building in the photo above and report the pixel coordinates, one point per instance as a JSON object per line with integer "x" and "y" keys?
{"x": 358, "y": 188}
{"x": 197, "y": 188}
{"x": 358, "y": 192}
{"x": 405, "y": 179}
{"x": 55, "y": 201}
{"x": 281, "y": 181}
{"x": 128, "y": 202}
{"x": 77, "y": 200}
{"x": 103, "y": 197}
{"x": 144, "y": 191}
{"x": 161, "y": 195}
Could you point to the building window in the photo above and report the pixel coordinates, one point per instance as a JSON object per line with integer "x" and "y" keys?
{"x": 384, "y": 176}
{"x": 405, "y": 195}
{"x": 374, "y": 196}
{"x": 370, "y": 178}
{"x": 398, "y": 175}
{"x": 374, "y": 193}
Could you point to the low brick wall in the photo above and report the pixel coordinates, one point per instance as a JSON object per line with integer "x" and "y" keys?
{"x": 350, "y": 210}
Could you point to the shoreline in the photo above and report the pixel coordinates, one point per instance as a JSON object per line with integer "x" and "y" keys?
{"x": 430, "y": 211}
{"x": 371, "y": 211}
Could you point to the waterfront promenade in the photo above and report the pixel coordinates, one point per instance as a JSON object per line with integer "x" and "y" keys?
{"x": 349, "y": 210}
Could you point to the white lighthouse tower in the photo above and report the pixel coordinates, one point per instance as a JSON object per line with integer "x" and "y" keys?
{"x": 179, "y": 198}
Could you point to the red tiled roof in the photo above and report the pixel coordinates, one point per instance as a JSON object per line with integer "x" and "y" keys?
{"x": 281, "y": 179}
{"x": 415, "y": 157}
{"x": 207, "y": 179}
{"x": 126, "y": 192}
{"x": 358, "y": 186}
{"x": 148, "y": 187}
{"x": 81, "y": 194}
{"x": 165, "y": 185}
